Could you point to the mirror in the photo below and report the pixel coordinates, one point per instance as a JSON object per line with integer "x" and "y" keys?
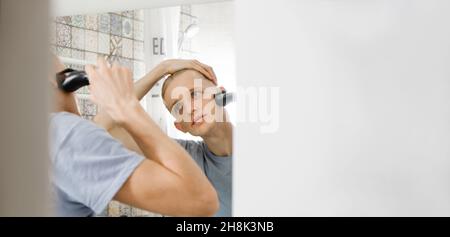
{"x": 140, "y": 40}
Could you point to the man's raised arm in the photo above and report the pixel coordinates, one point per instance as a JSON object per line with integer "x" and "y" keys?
{"x": 168, "y": 181}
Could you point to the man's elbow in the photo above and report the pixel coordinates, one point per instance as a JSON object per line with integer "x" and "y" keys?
{"x": 211, "y": 203}
{"x": 206, "y": 203}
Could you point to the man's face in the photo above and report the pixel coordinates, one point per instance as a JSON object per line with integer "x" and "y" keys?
{"x": 189, "y": 96}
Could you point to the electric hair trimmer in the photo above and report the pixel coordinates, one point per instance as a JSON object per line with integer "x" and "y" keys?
{"x": 223, "y": 98}
{"x": 71, "y": 80}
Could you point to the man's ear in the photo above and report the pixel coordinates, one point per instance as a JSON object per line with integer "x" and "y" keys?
{"x": 179, "y": 127}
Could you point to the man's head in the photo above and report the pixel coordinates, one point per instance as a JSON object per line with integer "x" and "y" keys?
{"x": 189, "y": 97}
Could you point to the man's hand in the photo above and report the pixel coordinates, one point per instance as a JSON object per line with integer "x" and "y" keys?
{"x": 171, "y": 66}
{"x": 112, "y": 89}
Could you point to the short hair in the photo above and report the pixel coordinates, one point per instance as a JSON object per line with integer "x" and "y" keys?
{"x": 168, "y": 79}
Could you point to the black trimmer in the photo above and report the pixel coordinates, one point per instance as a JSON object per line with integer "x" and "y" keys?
{"x": 71, "y": 80}
{"x": 223, "y": 98}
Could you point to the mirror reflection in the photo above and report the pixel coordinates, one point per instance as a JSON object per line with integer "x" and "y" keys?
{"x": 143, "y": 117}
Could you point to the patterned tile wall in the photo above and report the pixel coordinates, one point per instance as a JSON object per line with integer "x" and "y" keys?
{"x": 118, "y": 37}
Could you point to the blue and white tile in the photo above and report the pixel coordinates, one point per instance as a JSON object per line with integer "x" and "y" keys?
{"x": 114, "y": 59}
{"x": 78, "y": 36}
{"x": 78, "y": 21}
{"x": 115, "y": 45}
{"x": 103, "y": 43}
{"x": 89, "y": 108}
{"x": 127, "y": 27}
{"x": 127, "y": 48}
{"x": 104, "y": 23}
{"x": 63, "y": 52}
{"x": 88, "y": 117}
{"x": 113, "y": 209}
{"x": 138, "y": 30}
{"x": 124, "y": 210}
{"x": 64, "y": 20}
{"x": 116, "y": 24}
{"x": 82, "y": 90}
{"x": 91, "y": 41}
{"x": 78, "y": 54}
{"x": 63, "y": 35}
{"x": 92, "y": 22}
{"x": 138, "y": 50}
{"x": 80, "y": 104}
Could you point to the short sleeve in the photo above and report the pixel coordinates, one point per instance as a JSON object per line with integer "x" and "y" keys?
{"x": 195, "y": 150}
{"x": 89, "y": 165}
{"x": 216, "y": 168}
{"x": 223, "y": 163}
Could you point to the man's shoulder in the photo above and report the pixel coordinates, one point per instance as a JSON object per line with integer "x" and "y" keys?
{"x": 63, "y": 114}
{"x": 190, "y": 144}
{"x": 195, "y": 148}
{"x": 64, "y": 121}
{"x": 67, "y": 118}
{"x": 67, "y": 127}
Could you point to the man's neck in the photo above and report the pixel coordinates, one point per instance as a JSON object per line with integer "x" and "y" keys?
{"x": 220, "y": 139}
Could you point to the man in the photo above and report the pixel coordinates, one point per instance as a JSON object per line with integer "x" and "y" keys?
{"x": 90, "y": 168}
{"x": 189, "y": 94}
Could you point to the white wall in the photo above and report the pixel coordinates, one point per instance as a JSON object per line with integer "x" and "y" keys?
{"x": 364, "y": 108}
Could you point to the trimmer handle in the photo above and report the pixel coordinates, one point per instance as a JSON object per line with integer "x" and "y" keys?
{"x": 223, "y": 98}
{"x": 71, "y": 80}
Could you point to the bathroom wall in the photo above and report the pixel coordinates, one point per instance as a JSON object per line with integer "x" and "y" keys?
{"x": 363, "y": 108}
{"x": 116, "y": 36}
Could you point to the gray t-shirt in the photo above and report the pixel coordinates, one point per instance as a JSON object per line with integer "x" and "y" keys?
{"x": 88, "y": 165}
{"x": 217, "y": 169}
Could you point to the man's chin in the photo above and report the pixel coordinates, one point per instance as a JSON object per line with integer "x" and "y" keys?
{"x": 200, "y": 128}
